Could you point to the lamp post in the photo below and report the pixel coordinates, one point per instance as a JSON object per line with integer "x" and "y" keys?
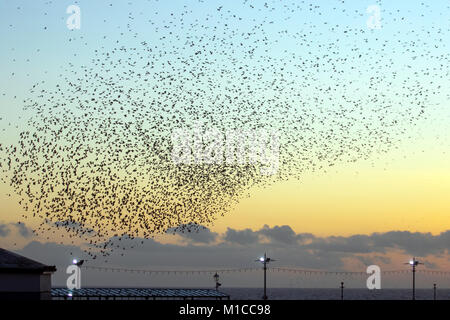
{"x": 434, "y": 291}
{"x": 414, "y": 263}
{"x": 216, "y": 280}
{"x": 265, "y": 260}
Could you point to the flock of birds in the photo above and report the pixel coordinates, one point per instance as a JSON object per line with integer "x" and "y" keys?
{"x": 95, "y": 157}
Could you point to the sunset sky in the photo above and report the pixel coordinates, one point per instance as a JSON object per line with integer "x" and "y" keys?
{"x": 403, "y": 188}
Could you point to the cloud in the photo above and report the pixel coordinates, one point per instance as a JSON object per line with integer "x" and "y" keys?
{"x": 282, "y": 234}
{"x": 352, "y": 244}
{"x": 73, "y": 226}
{"x": 242, "y": 237}
{"x": 371, "y": 260}
{"x": 283, "y": 239}
{"x": 4, "y": 230}
{"x": 275, "y": 235}
{"x": 51, "y": 253}
{"x": 240, "y": 248}
{"x": 304, "y": 238}
{"x": 414, "y": 243}
{"x": 194, "y": 233}
{"x": 22, "y": 230}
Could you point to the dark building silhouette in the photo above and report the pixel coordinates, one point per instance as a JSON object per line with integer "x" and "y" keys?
{"x": 24, "y": 279}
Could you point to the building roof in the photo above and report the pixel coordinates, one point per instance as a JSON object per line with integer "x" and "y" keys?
{"x": 11, "y": 262}
{"x": 142, "y": 293}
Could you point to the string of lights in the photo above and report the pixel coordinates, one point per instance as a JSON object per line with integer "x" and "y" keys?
{"x": 435, "y": 272}
{"x": 142, "y": 271}
{"x": 356, "y": 273}
{"x": 306, "y": 272}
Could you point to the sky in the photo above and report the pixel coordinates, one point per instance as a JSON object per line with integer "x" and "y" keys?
{"x": 354, "y": 213}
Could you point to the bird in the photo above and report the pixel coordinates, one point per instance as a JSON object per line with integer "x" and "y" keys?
{"x": 94, "y": 161}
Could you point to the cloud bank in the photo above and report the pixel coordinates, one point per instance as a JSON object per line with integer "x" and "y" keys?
{"x": 204, "y": 249}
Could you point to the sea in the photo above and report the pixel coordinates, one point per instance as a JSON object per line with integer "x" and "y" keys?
{"x": 334, "y": 294}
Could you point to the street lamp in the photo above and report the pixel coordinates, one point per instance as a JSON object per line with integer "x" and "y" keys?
{"x": 216, "y": 280}
{"x": 265, "y": 260}
{"x": 77, "y": 263}
{"x": 414, "y": 263}
{"x": 434, "y": 291}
